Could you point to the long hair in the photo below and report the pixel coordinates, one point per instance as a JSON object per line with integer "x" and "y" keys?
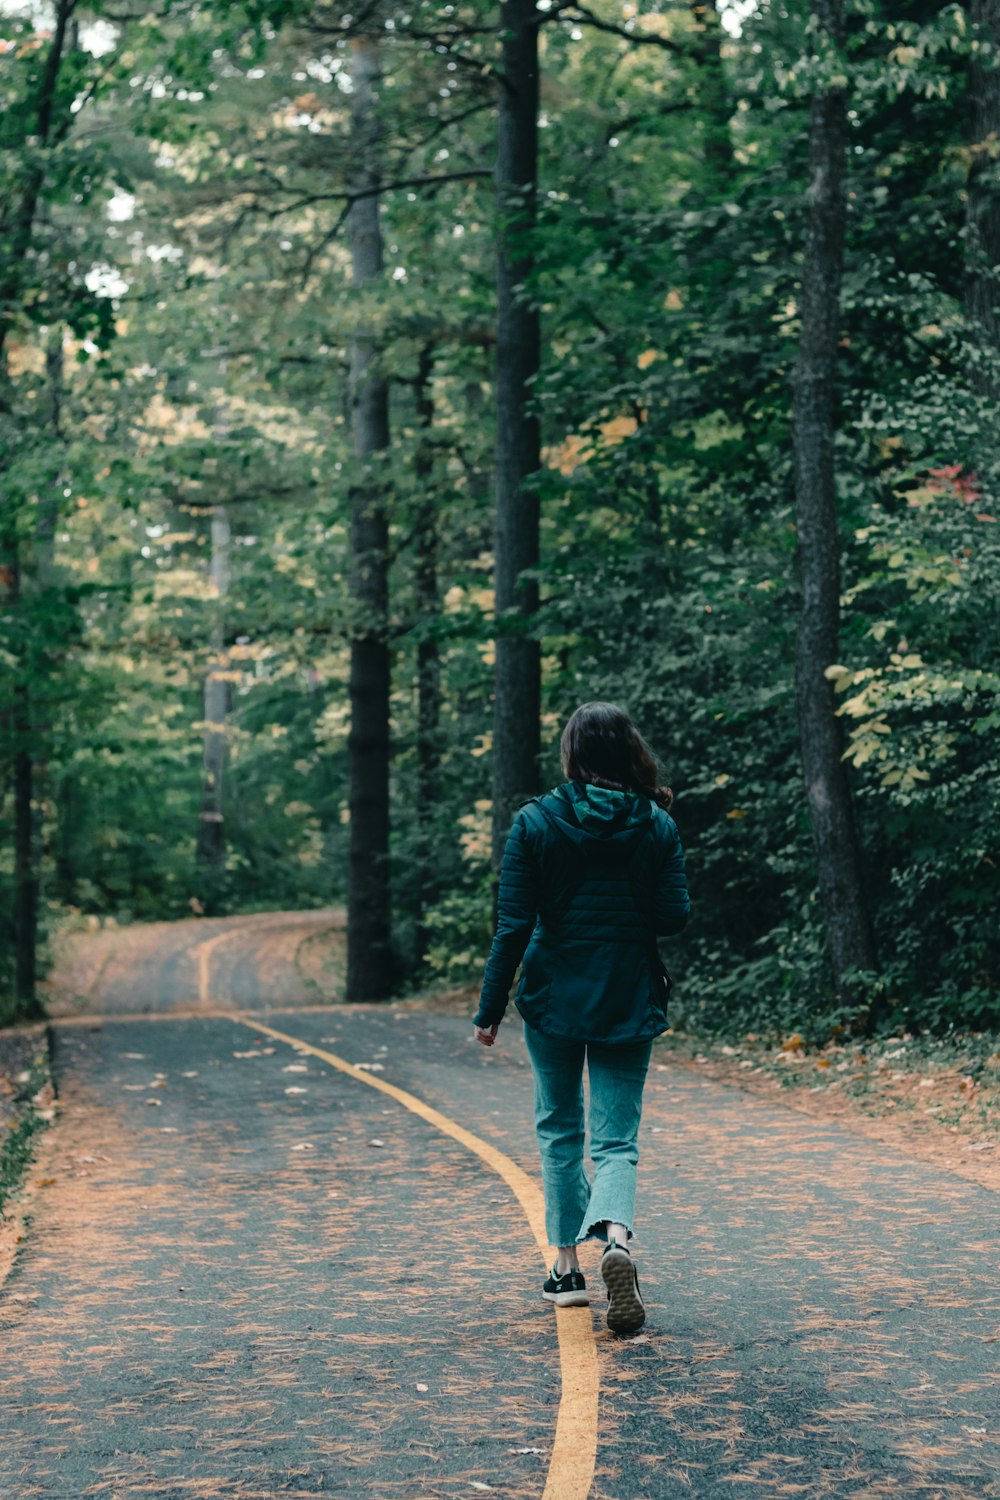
{"x": 602, "y": 746}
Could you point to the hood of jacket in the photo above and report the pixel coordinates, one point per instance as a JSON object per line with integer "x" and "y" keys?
{"x": 584, "y": 813}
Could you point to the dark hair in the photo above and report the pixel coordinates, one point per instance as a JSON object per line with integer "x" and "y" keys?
{"x": 602, "y": 746}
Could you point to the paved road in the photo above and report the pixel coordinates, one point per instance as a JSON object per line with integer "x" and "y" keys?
{"x": 266, "y": 958}
{"x": 251, "y": 1275}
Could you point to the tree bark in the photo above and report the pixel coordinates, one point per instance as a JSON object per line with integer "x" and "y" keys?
{"x": 211, "y": 849}
{"x": 369, "y": 953}
{"x": 25, "y": 868}
{"x": 713, "y": 94}
{"x": 428, "y": 656}
{"x": 16, "y": 230}
{"x": 982, "y": 240}
{"x": 517, "y": 701}
{"x": 828, "y": 795}
{"x": 32, "y": 577}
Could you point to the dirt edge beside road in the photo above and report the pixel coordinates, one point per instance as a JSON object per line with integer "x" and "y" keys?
{"x": 27, "y": 1107}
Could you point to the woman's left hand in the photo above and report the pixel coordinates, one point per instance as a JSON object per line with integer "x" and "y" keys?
{"x": 486, "y": 1034}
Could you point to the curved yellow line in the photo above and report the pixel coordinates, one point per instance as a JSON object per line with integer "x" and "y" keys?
{"x": 574, "y": 1446}
{"x": 203, "y": 954}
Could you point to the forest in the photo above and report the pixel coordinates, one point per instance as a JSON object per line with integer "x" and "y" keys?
{"x": 380, "y": 381}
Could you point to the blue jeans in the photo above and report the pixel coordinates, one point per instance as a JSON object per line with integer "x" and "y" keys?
{"x": 575, "y": 1209}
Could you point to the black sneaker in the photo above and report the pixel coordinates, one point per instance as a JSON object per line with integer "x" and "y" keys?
{"x": 569, "y": 1290}
{"x": 626, "y": 1313}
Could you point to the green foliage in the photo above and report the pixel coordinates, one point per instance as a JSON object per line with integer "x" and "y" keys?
{"x": 18, "y": 1144}
{"x": 204, "y": 325}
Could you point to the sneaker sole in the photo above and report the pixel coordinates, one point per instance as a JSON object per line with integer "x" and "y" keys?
{"x": 567, "y": 1299}
{"x": 626, "y": 1313}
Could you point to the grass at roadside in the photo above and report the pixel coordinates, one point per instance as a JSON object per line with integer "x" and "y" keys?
{"x": 27, "y": 1104}
{"x": 955, "y": 1081}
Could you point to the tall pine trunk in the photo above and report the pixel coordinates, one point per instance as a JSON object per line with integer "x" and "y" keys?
{"x": 369, "y": 954}
{"x": 848, "y": 928}
{"x": 34, "y": 583}
{"x": 982, "y": 222}
{"x": 25, "y": 866}
{"x": 428, "y": 655}
{"x": 211, "y": 848}
{"x": 17, "y": 225}
{"x": 713, "y": 95}
{"x": 517, "y": 702}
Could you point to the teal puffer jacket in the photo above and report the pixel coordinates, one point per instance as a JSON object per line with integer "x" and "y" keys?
{"x": 590, "y": 877}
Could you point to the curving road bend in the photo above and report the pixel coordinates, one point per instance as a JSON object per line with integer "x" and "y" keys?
{"x": 249, "y": 962}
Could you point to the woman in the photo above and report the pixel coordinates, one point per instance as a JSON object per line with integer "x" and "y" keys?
{"x": 591, "y": 874}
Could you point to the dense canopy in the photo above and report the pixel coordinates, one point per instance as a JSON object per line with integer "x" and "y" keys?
{"x": 362, "y": 413}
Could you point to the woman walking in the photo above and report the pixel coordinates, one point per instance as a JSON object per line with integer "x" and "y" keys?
{"x": 591, "y": 874}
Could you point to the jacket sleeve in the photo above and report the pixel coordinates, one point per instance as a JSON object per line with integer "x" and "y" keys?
{"x": 517, "y": 909}
{"x": 672, "y": 902}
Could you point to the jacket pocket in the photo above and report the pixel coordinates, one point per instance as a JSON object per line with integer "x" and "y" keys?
{"x": 534, "y": 990}
{"x": 660, "y": 983}
{"x": 533, "y": 1005}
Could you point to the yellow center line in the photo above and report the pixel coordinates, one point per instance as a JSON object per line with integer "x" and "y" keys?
{"x": 574, "y": 1446}
{"x": 203, "y": 955}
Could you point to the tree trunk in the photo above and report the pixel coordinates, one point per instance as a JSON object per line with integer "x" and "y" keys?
{"x": 517, "y": 702}
{"x": 32, "y": 578}
{"x": 25, "y": 874}
{"x": 828, "y": 795}
{"x": 982, "y": 243}
{"x": 369, "y": 954}
{"x": 211, "y": 850}
{"x": 713, "y": 95}
{"x": 16, "y": 229}
{"x": 428, "y": 656}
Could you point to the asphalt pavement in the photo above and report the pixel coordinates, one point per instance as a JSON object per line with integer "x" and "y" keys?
{"x": 248, "y": 1274}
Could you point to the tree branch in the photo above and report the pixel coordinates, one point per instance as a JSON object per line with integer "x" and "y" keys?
{"x": 630, "y": 121}
{"x": 579, "y": 15}
{"x": 355, "y": 195}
